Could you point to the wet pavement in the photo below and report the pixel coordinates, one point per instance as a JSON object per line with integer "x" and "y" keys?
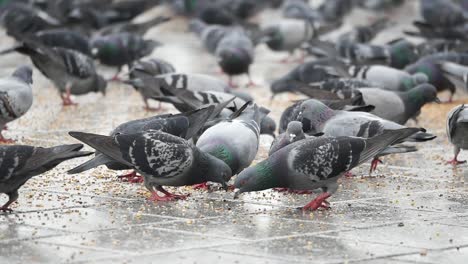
{"x": 414, "y": 209}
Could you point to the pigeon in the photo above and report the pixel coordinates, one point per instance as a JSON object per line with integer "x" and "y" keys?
{"x": 150, "y": 67}
{"x": 63, "y": 38}
{"x": 150, "y": 87}
{"x": 429, "y": 66}
{"x": 442, "y": 13}
{"x": 235, "y": 53}
{"x": 161, "y": 158}
{"x": 292, "y": 134}
{"x": 456, "y": 74}
{"x": 394, "y": 106}
{"x": 363, "y": 34}
{"x": 19, "y": 163}
{"x": 234, "y": 141}
{"x": 72, "y": 72}
{"x": 457, "y": 128}
{"x": 388, "y": 78}
{"x": 20, "y": 19}
{"x": 299, "y": 9}
{"x": 315, "y": 163}
{"x": 121, "y": 49}
{"x": 184, "y": 125}
{"x": 135, "y": 28}
{"x": 319, "y": 118}
{"x": 288, "y": 35}
{"x": 15, "y": 97}
{"x": 268, "y": 126}
{"x": 309, "y": 72}
{"x": 231, "y": 45}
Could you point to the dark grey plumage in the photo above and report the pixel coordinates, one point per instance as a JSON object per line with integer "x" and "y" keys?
{"x": 161, "y": 158}
{"x": 72, "y": 72}
{"x": 20, "y": 163}
{"x": 292, "y": 134}
{"x": 184, "y": 125}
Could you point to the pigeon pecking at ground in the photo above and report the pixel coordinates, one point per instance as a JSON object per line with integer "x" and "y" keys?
{"x": 457, "y": 131}
{"x": 20, "y": 163}
{"x": 310, "y": 164}
{"x": 184, "y": 125}
{"x": 15, "y": 97}
{"x": 161, "y": 158}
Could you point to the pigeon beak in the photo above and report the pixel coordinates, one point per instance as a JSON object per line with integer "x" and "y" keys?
{"x": 225, "y": 186}
{"x": 437, "y": 100}
{"x": 236, "y": 194}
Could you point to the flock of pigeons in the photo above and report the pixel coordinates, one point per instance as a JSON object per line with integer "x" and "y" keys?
{"x": 361, "y": 94}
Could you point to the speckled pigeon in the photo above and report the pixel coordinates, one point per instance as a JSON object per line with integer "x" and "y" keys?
{"x": 457, "y": 131}
{"x": 20, "y": 163}
{"x": 161, "y": 158}
{"x": 315, "y": 163}
{"x": 15, "y": 97}
{"x": 184, "y": 125}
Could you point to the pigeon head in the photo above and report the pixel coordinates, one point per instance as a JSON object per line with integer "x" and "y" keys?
{"x": 24, "y": 73}
{"x": 422, "y": 94}
{"x": 101, "y": 85}
{"x": 268, "y": 126}
{"x": 257, "y": 178}
{"x": 313, "y": 114}
{"x": 294, "y": 129}
{"x": 219, "y": 171}
{"x": 234, "y": 61}
{"x": 273, "y": 38}
{"x": 419, "y": 78}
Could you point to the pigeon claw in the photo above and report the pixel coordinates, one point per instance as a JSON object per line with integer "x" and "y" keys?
{"x": 456, "y": 162}
{"x": 349, "y": 174}
{"x": 374, "y": 164}
{"x": 6, "y": 140}
{"x": 166, "y": 197}
{"x": 201, "y": 186}
{"x": 319, "y": 202}
{"x": 6, "y": 209}
{"x": 132, "y": 177}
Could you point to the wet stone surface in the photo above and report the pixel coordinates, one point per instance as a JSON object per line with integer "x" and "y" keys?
{"x": 412, "y": 210}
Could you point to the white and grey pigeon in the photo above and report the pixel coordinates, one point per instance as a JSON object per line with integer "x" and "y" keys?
{"x": 317, "y": 117}
{"x": 387, "y": 77}
{"x": 315, "y": 163}
{"x": 20, "y": 163}
{"x": 457, "y": 131}
{"x": 161, "y": 158}
{"x": 71, "y": 71}
{"x": 185, "y": 125}
{"x": 15, "y": 97}
{"x": 235, "y": 141}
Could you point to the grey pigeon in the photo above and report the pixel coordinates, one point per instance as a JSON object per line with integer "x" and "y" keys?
{"x": 395, "y": 106}
{"x": 20, "y": 163}
{"x": 234, "y": 141}
{"x": 135, "y": 28}
{"x": 161, "y": 158}
{"x": 288, "y": 35}
{"x": 364, "y": 34}
{"x": 71, "y": 71}
{"x": 146, "y": 69}
{"x": 231, "y": 45}
{"x": 150, "y": 87}
{"x": 315, "y": 163}
{"x": 455, "y": 73}
{"x": 292, "y": 134}
{"x": 184, "y": 125}
{"x": 457, "y": 131}
{"x": 317, "y": 117}
{"x": 389, "y": 78}
{"x": 15, "y": 97}
{"x": 442, "y": 13}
